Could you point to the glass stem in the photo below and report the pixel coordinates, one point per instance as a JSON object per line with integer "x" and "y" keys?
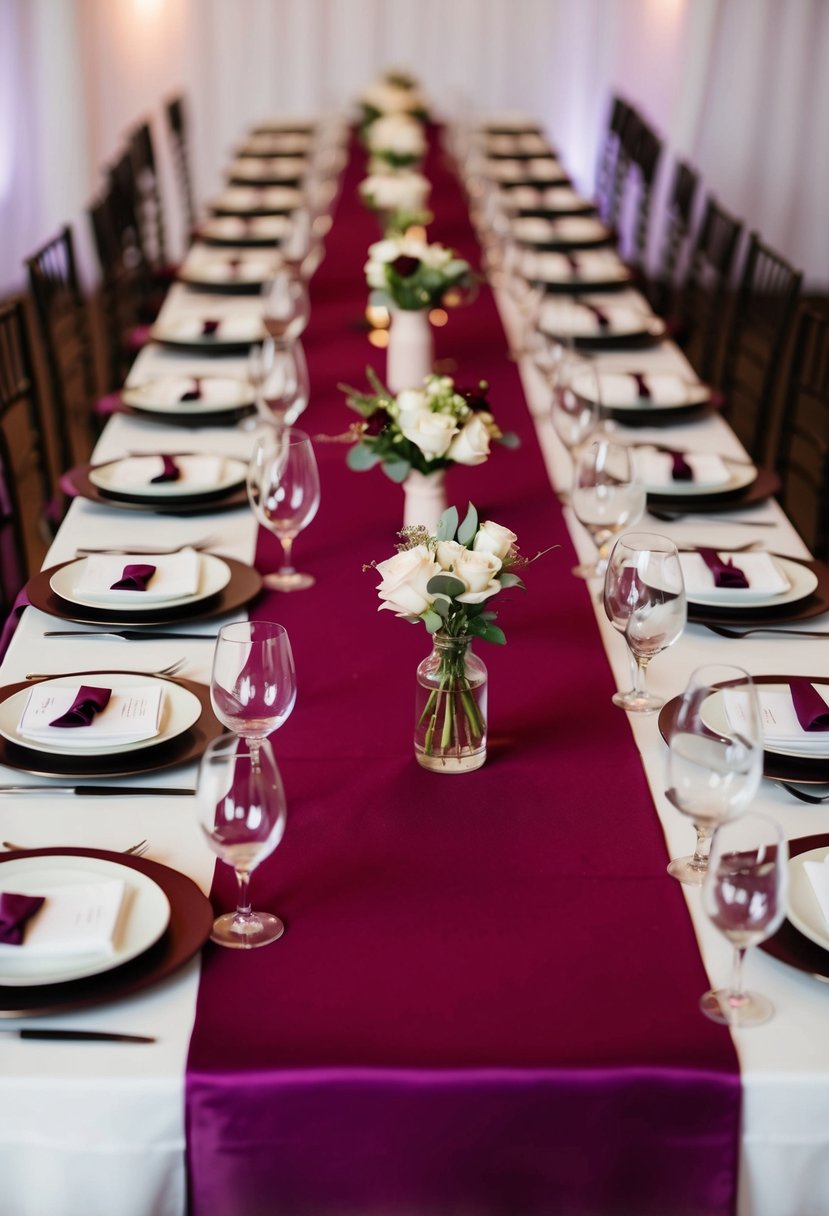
{"x": 640, "y": 675}
{"x": 736, "y": 995}
{"x": 699, "y": 861}
{"x": 287, "y": 545}
{"x": 243, "y": 909}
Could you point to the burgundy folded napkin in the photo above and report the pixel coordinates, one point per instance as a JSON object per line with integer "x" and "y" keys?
{"x": 726, "y": 574}
{"x": 602, "y": 318}
{"x": 680, "y": 468}
{"x": 573, "y": 263}
{"x": 171, "y": 472}
{"x": 234, "y": 265}
{"x": 193, "y": 394}
{"x": 642, "y": 386}
{"x": 135, "y": 577}
{"x": 209, "y": 328}
{"x": 15, "y": 911}
{"x": 89, "y": 702}
{"x": 810, "y": 707}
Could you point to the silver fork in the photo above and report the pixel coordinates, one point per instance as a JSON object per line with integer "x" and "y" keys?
{"x": 773, "y": 629}
{"x": 204, "y": 543}
{"x": 169, "y": 670}
{"x": 815, "y": 799}
{"x": 135, "y": 850}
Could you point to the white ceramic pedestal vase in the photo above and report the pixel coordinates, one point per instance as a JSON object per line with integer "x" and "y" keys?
{"x": 410, "y": 353}
{"x": 424, "y": 499}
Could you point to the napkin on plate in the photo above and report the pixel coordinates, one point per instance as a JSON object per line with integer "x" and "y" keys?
{"x": 74, "y": 919}
{"x": 194, "y": 471}
{"x": 707, "y": 469}
{"x": 811, "y": 708}
{"x": 88, "y": 702}
{"x": 762, "y": 573}
{"x": 781, "y": 728}
{"x": 177, "y": 575}
{"x": 136, "y": 576}
{"x": 15, "y": 911}
{"x": 129, "y": 715}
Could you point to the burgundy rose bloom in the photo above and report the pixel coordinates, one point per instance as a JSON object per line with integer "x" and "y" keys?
{"x": 475, "y": 398}
{"x": 405, "y": 266}
{"x": 377, "y": 422}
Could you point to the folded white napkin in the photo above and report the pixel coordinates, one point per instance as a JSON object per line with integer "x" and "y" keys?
{"x": 569, "y": 317}
{"x": 170, "y": 390}
{"x": 195, "y": 472}
{"x": 620, "y": 389}
{"x": 74, "y": 919}
{"x": 176, "y": 575}
{"x": 582, "y": 266}
{"x": 257, "y": 168}
{"x": 764, "y": 575}
{"x": 237, "y": 227}
{"x": 533, "y": 228}
{"x": 656, "y": 470}
{"x": 817, "y": 873}
{"x": 130, "y": 716}
{"x": 781, "y": 727}
{"x": 230, "y": 329}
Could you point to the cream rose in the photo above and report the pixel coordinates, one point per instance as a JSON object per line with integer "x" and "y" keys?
{"x": 477, "y": 571}
{"x": 409, "y": 404}
{"x": 400, "y": 191}
{"x": 494, "y": 538}
{"x": 471, "y": 445}
{"x": 432, "y": 433}
{"x": 404, "y": 579}
{"x": 447, "y": 552}
{"x": 397, "y": 133}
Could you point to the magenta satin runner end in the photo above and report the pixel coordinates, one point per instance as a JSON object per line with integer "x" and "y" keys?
{"x": 454, "y": 1021}
{"x": 725, "y": 573}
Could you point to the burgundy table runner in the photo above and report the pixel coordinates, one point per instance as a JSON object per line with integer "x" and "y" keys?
{"x": 486, "y": 998}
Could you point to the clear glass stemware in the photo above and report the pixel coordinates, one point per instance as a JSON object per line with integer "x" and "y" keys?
{"x": 715, "y": 757}
{"x": 644, "y": 599}
{"x": 607, "y": 497}
{"x": 284, "y": 491}
{"x": 253, "y": 680}
{"x": 241, "y": 810}
{"x": 744, "y": 895}
{"x": 280, "y": 376}
{"x": 286, "y": 307}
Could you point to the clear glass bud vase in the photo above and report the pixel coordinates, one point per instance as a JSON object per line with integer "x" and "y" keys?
{"x": 450, "y": 711}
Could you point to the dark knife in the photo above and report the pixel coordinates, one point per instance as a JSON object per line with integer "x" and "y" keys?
{"x": 99, "y": 791}
{"x": 80, "y": 1036}
{"x": 129, "y": 635}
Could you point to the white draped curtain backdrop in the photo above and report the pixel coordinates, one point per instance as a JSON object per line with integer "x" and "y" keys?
{"x": 737, "y": 87}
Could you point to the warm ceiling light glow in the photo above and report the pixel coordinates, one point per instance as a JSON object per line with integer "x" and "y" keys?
{"x": 379, "y": 338}
{"x": 147, "y": 6}
{"x": 438, "y": 317}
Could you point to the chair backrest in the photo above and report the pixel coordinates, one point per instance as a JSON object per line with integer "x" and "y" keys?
{"x": 629, "y": 124}
{"x": 760, "y": 325}
{"x": 149, "y": 209}
{"x": 65, "y": 333}
{"x": 679, "y": 210}
{"x": 124, "y": 281}
{"x": 177, "y": 127}
{"x": 608, "y": 153}
{"x": 803, "y": 442}
{"x": 25, "y": 482}
{"x": 704, "y": 293}
{"x": 645, "y": 155}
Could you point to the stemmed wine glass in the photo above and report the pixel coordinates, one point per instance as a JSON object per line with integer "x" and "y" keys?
{"x": 241, "y": 809}
{"x": 607, "y": 497}
{"x": 284, "y": 491}
{"x": 279, "y": 373}
{"x": 253, "y": 681}
{"x": 575, "y": 396}
{"x": 286, "y": 305}
{"x": 715, "y": 756}
{"x": 744, "y": 895}
{"x": 644, "y": 598}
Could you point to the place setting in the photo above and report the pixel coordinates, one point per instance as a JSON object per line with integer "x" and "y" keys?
{"x": 178, "y": 483}
{"x": 246, "y": 230}
{"x": 530, "y": 171}
{"x": 210, "y": 335}
{"x": 267, "y": 170}
{"x": 237, "y": 273}
{"x": 641, "y": 397}
{"x": 81, "y": 927}
{"x": 190, "y": 400}
{"x": 802, "y": 941}
{"x": 276, "y": 143}
{"x": 564, "y": 233}
{"x": 751, "y": 588}
{"x": 546, "y": 202}
{"x": 517, "y": 145}
{"x": 256, "y": 201}
{"x": 596, "y": 324}
{"x": 144, "y": 589}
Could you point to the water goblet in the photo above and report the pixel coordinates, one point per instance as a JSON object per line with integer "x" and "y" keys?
{"x": 715, "y": 757}
{"x": 286, "y": 305}
{"x": 607, "y": 497}
{"x": 744, "y": 895}
{"x": 574, "y": 401}
{"x": 284, "y": 491}
{"x": 253, "y": 681}
{"x": 241, "y": 810}
{"x": 285, "y": 388}
{"x": 644, "y": 599}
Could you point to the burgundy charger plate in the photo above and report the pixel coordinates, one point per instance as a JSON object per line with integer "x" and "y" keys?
{"x": 665, "y": 415}
{"x": 763, "y": 487}
{"x": 182, "y": 749}
{"x": 800, "y": 610}
{"x": 78, "y": 481}
{"x": 244, "y": 585}
{"x": 191, "y": 919}
{"x": 788, "y": 944}
{"x": 805, "y": 770}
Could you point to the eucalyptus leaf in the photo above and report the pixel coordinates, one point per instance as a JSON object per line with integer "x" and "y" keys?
{"x": 509, "y": 440}
{"x": 510, "y": 580}
{"x": 442, "y": 606}
{"x": 448, "y": 524}
{"x": 397, "y": 470}
{"x": 360, "y": 458}
{"x": 467, "y": 530}
{"x": 445, "y": 584}
{"x": 493, "y": 634}
{"x": 432, "y": 621}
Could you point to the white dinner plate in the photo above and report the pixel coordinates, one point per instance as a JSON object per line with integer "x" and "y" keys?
{"x": 803, "y": 909}
{"x": 802, "y": 582}
{"x": 107, "y": 477}
{"x": 570, "y": 229}
{"x": 267, "y": 170}
{"x": 740, "y": 475}
{"x": 546, "y": 169}
{"x": 204, "y": 269}
{"x": 276, "y": 143}
{"x": 550, "y": 198}
{"x": 619, "y": 390}
{"x": 180, "y": 708}
{"x": 244, "y": 199}
{"x": 583, "y": 268}
{"x": 214, "y": 576}
{"x": 523, "y": 143}
{"x": 714, "y": 716}
{"x": 564, "y": 318}
{"x": 188, "y": 331}
{"x": 237, "y": 229}
{"x": 144, "y": 917}
{"x": 163, "y": 396}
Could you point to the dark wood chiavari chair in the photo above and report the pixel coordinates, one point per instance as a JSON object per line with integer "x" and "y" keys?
{"x": 678, "y": 219}
{"x": 698, "y": 322}
{"x": 148, "y": 203}
{"x": 123, "y": 288}
{"x": 646, "y": 153}
{"x": 612, "y": 165}
{"x": 179, "y": 142}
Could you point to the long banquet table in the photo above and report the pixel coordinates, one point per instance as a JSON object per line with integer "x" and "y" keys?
{"x": 486, "y": 997}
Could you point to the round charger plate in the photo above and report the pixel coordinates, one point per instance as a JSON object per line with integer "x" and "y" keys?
{"x": 220, "y": 395}
{"x": 803, "y": 770}
{"x": 625, "y": 325}
{"x": 185, "y": 747}
{"x": 759, "y": 488}
{"x": 572, "y": 230}
{"x": 789, "y": 945}
{"x": 802, "y": 583}
{"x": 190, "y": 923}
{"x": 106, "y": 477}
{"x": 530, "y": 171}
{"x": 181, "y": 709}
{"x": 78, "y": 482}
{"x": 801, "y": 609}
{"x": 257, "y": 200}
{"x": 244, "y": 230}
{"x": 234, "y": 336}
{"x": 276, "y": 143}
{"x": 144, "y": 917}
{"x": 224, "y": 274}
{"x": 715, "y": 719}
{"x": 267, "y": 171}
{"x": 244, "y": 584}
{"x": 668, "y": 391}
{"x": 214, "y": 576}
{"x": 586, "y": 272}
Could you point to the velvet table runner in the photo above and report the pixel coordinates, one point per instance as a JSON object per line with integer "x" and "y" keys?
{"x": 486, "y": 997}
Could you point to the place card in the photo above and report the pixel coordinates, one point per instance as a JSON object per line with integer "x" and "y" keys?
{"x": 817, "y": 873}
{"x": 130, "y": 716}
{"x": 74, "y": 919}
{"x": 708, "y": 471}
{"x": 781, "y": 728}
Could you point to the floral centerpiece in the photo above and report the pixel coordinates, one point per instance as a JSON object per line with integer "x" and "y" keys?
{"x": 447, "y": 581}
{"x": 399, "y": 197}
{"x": 412, "y": 273}
{"x": 395, "y": 92}
{"x": 397, "y": 140}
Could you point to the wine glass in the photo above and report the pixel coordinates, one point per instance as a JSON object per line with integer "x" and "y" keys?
{"x": 253, "y": 681}
{"x": 575, "y": 395}
{"x": 284, "y": 492}
{"x": 644, "y": 598}
{"x": 241, "y": 809}
{"x": 286, "y": 307}
{"x": 744, "y": 895}
{"x": 284, "y": 388}
{"x": 715, "y": 757}
{"x": 607, "y": 497}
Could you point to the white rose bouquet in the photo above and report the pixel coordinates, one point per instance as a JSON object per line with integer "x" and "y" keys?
{"x": 392, "y": 93}
{"x": 397, "y": 140}
{"x": 399, "y": 197}
{"x": 414, "y": 274}
{"x": 426, "y": 428}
